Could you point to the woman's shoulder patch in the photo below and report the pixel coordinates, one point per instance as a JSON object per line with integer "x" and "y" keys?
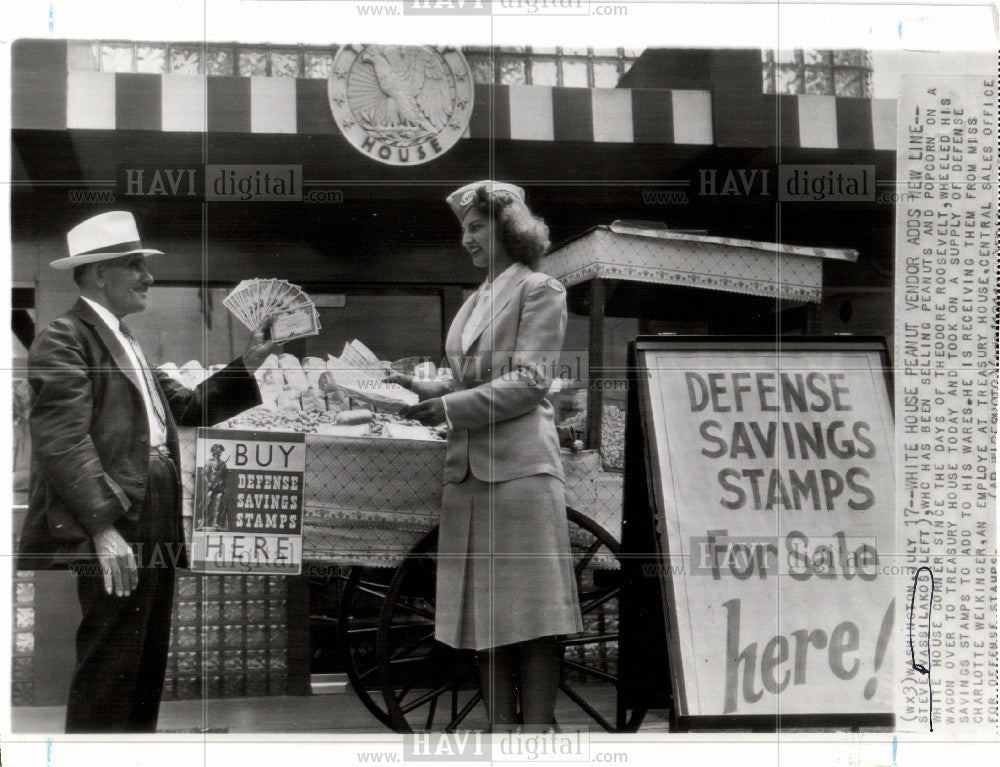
{"x": 557, "y": 286}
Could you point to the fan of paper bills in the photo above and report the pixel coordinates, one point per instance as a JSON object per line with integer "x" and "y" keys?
{"x": 253, "y": 301}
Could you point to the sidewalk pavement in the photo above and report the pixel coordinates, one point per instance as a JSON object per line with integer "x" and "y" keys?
{"x": 340, "y": 713}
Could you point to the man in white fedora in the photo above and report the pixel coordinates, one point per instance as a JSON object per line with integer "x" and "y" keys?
{"x": 105, "y": 476}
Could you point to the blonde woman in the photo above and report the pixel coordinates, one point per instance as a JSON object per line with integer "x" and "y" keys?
{"x": 505, "y": 581}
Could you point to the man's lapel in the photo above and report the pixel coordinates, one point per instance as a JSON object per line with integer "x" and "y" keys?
{"x": 85, "y": 312}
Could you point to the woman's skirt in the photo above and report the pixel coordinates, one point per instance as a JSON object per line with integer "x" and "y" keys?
{"x": 504, "y": 571}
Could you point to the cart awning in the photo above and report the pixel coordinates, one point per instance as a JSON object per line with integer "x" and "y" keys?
{"x": 649, "y": 253}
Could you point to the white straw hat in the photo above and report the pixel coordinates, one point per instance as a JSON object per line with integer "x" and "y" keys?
{"x": 103, "y": 237}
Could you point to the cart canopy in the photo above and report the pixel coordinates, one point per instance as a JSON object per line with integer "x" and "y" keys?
{"x": 648, "y": 252}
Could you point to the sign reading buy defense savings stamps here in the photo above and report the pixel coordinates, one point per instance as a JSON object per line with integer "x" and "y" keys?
{"x": 773, "y": 477}
{"x": 401, "y": 104}
{"x": 248, "y": 502}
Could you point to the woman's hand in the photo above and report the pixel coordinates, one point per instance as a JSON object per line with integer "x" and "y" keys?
{"x": 423, "y": 389}
{"x": 391, "y": 376}
{"x": 430, "y": 412}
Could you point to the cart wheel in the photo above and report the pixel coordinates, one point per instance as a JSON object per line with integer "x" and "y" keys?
{"x": 590, "y": 658}
{"x": 364, "y": 590}
{"x": 430, "y": 686}
{"x": 426, "y": 685}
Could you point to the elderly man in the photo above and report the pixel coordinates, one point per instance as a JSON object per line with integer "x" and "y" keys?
{"x": 105, "y": 481}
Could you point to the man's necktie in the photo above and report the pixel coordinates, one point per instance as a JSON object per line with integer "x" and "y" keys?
{"x": 154, "y": 395}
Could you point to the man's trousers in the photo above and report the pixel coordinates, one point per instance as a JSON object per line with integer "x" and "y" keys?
{"x": 122, "y": 642}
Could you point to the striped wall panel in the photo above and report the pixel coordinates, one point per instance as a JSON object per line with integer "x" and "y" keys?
{"x": 228, "y": 104}
{"x": 490, "y": 113}
{"x": 139, "y": 102}
{"x": 312, "y": 108}
{"x": 572, "y": 114}
{"x": 611, "y": 115}
{"x": 531, "y": 110}
{"x": 90, "y": 100}
{"x": 45, "y": 97}
{"x": 273, "y": 105}
{"x": 38, "y": 93}
{"x": 652, "y": 117}
{"x": 183, "y": 103}
{"x": 805, "y": 122}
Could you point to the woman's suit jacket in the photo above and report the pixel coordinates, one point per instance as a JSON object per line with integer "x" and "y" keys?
{"x": 505, "y": 570}
{"x": 502, "y": 425}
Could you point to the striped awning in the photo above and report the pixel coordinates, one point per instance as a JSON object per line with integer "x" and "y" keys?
{"x": 45, "y": 97}
{"x": 630, "y": 251}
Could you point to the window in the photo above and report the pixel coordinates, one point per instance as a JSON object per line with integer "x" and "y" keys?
{"x": 117, "y": 57}
{"x": 150, "y": 58}
{"x": 184, "y": 59}
{"x": 218, "y": 61}
{"x": 506, "y": 65}
{"x": 285, "y": 64}
{"x": 318, "y": 64}
{"x": 252, "y": 62}
{"x": 568, "y": 67}
{"x": 821, "y": 72}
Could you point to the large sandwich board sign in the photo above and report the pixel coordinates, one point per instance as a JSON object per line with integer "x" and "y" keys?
{"x": 770, "y": 471}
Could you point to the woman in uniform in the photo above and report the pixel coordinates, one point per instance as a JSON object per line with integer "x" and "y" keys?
{"x": 505, "y": 581}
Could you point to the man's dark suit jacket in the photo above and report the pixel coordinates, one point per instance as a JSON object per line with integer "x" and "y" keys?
{"x": 90, "y": 436}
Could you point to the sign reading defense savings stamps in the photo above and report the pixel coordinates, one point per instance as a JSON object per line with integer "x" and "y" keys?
{"x": 248, "y": 502}
{"x": 773, "y": 479}
{"x": 401, "y": 104}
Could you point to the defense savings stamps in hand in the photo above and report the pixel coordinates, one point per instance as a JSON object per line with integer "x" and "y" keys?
{"x": 783, "y": 439}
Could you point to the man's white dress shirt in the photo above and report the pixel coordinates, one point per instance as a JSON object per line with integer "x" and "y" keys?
{"x": 157, "y": 430}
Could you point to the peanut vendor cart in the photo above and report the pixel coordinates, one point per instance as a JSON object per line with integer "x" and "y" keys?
{"x": 370, "y": 529}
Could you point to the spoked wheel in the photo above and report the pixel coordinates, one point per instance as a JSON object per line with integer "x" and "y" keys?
{"x": 364, "y": 591}
{"x": 427, "y": 685}
{"x": 590, "y": 659}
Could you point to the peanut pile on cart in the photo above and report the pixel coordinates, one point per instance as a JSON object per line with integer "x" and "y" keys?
{"x": 339, "y": 396}
{"x": 346, "y": 396}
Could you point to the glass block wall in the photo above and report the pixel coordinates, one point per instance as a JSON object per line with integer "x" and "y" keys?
{"x": 23, "y": 655}
{"x": 229, "y": 638}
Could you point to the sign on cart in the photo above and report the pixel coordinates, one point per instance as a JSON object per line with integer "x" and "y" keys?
{"x": 248, "y": 502}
